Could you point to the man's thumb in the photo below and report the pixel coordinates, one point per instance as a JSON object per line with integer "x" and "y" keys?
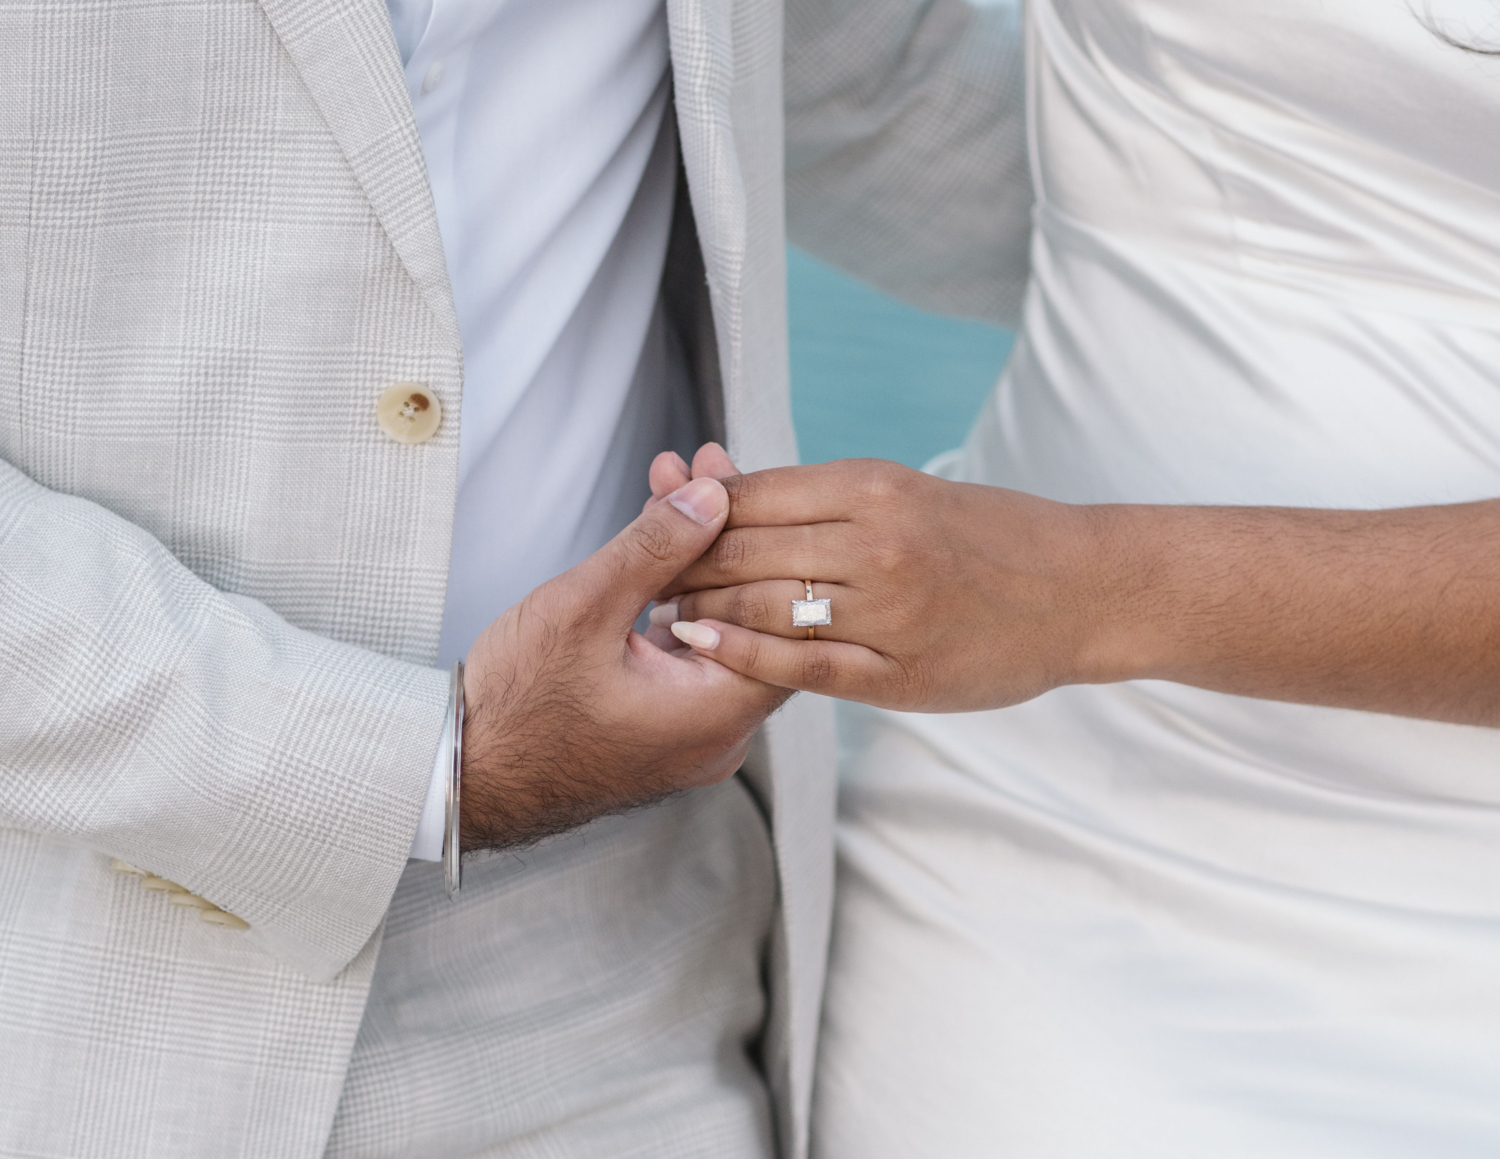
{"x": 623, "y": 575}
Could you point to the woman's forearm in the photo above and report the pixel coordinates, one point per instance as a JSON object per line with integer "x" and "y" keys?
{"x": 1392, "y": 611}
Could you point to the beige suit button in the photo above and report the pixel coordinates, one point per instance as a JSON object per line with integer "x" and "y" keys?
{"x": 125, "y": 867}
{"x": 217, "y": 917}
{"x": 409, "y": 412}
{"x": 161, "y": 885}
{"x": 191, "y": 899}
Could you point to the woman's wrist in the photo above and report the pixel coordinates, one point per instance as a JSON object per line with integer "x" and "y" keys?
{"x": 1129, "y": 600}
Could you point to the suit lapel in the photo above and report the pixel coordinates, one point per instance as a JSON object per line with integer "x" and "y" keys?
{"x": 702, "y": 44}
{"x": 347, "y": 57}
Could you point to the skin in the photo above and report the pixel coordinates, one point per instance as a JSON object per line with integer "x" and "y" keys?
{"x": 572, "y": 714}
{"x": 955, "y": 597}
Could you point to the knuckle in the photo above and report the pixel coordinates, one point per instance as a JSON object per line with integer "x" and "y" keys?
{"x": 739, "y": 486}
{"x": 878, "y": 479}
{"x": 744, "y": 490}
{"x": 818, "y": 668}
{"x": 653, "y": 543}
{"x": 736, "y": 609}
{"x": 731, "y": 551}
{"x": 754, "y": 655}
{"x": 762, "y": 606}
{"x": 749, "y": 607}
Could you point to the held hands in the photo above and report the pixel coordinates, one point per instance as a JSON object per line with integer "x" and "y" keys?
{"x": 946, "y": 597}
{"x": 572, "y": 714}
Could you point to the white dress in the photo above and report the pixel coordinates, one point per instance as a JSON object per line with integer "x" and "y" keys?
{"x": 1146, "y": 921}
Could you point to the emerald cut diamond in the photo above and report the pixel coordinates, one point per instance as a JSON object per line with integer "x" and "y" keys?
{"x": 811, "y": 613}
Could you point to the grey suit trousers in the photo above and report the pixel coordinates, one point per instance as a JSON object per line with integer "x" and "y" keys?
{"x": 599, "y": 995}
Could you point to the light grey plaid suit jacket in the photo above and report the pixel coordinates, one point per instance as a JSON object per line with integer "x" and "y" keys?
{"x": 222, "y": 584}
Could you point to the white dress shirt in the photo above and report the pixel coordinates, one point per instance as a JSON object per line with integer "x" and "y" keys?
{"x": 552, "y": 161}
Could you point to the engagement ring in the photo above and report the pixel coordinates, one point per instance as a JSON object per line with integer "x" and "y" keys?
{"x": 810, "y": 613}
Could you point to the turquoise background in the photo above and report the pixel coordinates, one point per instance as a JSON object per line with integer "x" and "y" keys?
{"x": 874, "y": 377}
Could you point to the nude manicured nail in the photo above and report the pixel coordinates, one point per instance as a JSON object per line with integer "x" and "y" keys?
{"x": 664, "y": 615}
{"x": 698, "y": 636}
{"x": 702, "y": 500}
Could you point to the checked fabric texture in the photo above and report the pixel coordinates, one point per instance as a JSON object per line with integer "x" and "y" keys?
{"x": 223, "y": 584}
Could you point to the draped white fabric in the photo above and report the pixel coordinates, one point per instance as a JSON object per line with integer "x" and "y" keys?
{"x": 1147, "y": 920}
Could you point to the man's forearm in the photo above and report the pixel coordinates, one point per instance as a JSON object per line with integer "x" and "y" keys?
{"x": 1392, "y": 611}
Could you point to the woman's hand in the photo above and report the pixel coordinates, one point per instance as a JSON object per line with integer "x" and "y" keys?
{"x": 945, "y": 596}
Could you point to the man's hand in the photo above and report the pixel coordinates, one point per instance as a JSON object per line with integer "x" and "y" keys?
{"x": 953, "y": 596}
{"x": 572, "y": 714}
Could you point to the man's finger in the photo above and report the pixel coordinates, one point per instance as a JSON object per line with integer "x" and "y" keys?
{"x": 619, "y": 579}
{"x": 689, "y": 696}
{"x": 848, "y": 671}
{"x": 668, "y": 472}
{"x": 714, "y": 461}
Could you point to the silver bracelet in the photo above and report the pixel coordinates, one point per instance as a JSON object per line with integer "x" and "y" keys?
{"x": 453, "y": 864}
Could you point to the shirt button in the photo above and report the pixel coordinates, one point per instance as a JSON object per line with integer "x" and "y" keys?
{"x": 433, "y": 78}
{"x": 409, "y": 413}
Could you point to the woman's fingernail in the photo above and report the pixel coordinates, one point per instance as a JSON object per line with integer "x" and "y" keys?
{"x": 702, "y": 500}
{"x": 664, "y": 615}
{"x": 699, "y": 636}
